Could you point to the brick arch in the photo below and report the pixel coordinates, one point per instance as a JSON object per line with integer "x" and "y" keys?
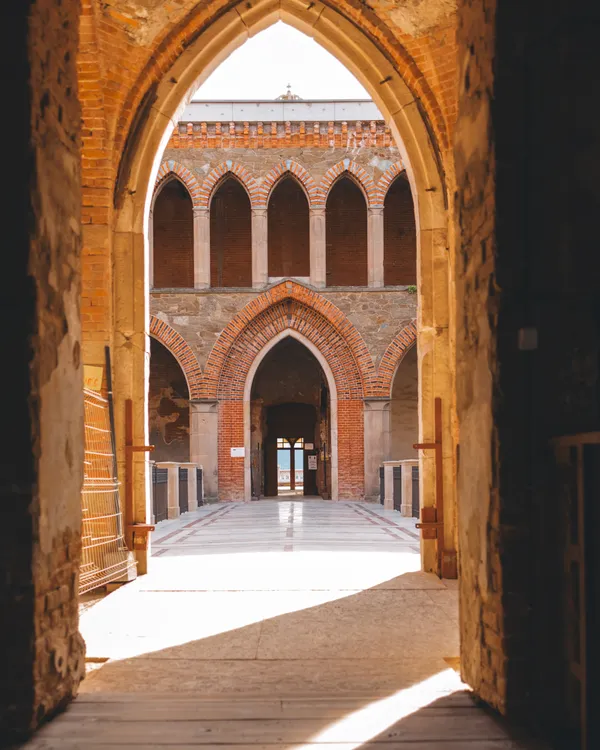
{"x": 314, "y": 314}
{"x": 386, "y": 179}
{"x": 289, "y": 166}
{"x": 169, "y": 168}
{"x": 392, "y": 357}
{"x": 361, "y": 176}
{"x": 209, "y": 185}
{"x": 182, "y": 352}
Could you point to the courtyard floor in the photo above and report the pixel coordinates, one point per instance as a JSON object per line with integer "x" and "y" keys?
{"x": 278, "y": 624}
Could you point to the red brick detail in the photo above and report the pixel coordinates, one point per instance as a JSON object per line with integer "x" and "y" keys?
{"x": 311, "y": 188}
{"x": 386, "y": 180}
{"x": 360, "y": 175}
{"x": 182, "y": 352}
{"x": 318, "y": 319}
{"x": 392, "y": 357}
{"x": 216, "y": 175}
{"x": 170, "y": 168}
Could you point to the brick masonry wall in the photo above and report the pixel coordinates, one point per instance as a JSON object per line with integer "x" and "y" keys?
{"x": 230, "y": 236}
{"x": 288, "y": 230}
{"x": 399, "y": 235}
{"x": 173, "y": 237}
{"x": 168, "y": 407}
{"x": 42, "y": 453}
{"x": 346, "y": 235}
{"x": 200, "y": 317}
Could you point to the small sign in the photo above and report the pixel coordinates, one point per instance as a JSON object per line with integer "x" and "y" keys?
{"x": 312, "y": 463}
{"x": 92, "y": 377}
{"x": 237, "y": 453}
{"x": 309, "y": 446}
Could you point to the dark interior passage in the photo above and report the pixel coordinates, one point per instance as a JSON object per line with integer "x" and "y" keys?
{"x": 289, "y": 251}
{"x": 230, "y": 236}
{"x": 290, "y": 405}
{"x": 173, "y": 237}
{"x": 168, "y": 406}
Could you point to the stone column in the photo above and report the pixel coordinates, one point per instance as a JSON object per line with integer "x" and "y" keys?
{"x": 192, "y": 485}
{"x": 260, "y": 248}
{"x": 318, "y": 258}
{"x": 201, "y": 247}
{"x": 377, "y": 443}
{"x": 204, "y": 443}
{"x": 375, "y": 246}
{"x": 151, "y": 248}
{"x": 407, "y": 487}
{"x": 172, "y": 487}
{"x": 388, "y": 483}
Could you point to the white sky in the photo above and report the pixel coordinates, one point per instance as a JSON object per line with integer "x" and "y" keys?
{"x": 263, "y": 66}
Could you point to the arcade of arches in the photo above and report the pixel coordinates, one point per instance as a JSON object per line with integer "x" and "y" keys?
{"x": 480, "y": 97}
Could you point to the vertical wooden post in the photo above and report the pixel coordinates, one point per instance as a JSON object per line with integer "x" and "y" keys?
{"x": 136, "y": 534}
{"x": 432, "y": 519}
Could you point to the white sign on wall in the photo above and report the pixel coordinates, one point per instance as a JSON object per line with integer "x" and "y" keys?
{"x": 237, "y": 453}
{"x": 312, "y": 463}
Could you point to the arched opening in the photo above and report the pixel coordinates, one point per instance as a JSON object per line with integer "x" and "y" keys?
{"x": 404, "y": 408}
{"x": 290, "y": 418}
{"x": 288, "y": 230}
{"x": 173, "y": 233}
{"x": 168, "y": 407}
{"x": 346, "y": 233}
{"x": 400, "y": 235}
{"x": 230, "y": 235}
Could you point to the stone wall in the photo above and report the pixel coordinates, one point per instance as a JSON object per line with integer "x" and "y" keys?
{"x": 42, "y": 458}
{"x": 200, "y": 317}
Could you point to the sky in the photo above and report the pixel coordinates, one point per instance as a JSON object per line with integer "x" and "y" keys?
{"x": 263, "y": 66}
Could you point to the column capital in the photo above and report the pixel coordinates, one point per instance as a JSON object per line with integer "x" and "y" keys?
{"x": 259, "y": 210}
{"x": 375, "y": 210}
{"x": 317, "y": 210}
{"x": 201, "y": 210}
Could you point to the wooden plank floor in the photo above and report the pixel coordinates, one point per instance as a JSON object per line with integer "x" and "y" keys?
{"x": 120, "y": 721}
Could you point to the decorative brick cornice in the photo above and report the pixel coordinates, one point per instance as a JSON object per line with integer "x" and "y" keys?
{"x": 284, "y": 306}
{"x": 171, "y": 168}
{"x": 360, "y": 175}
{"x": 386, "y": 179}
{"x": 392, "y": 357}
{"x": 216, "y": 175}
{"x": 259, "y": 135}
{"x": 289, "y": 166}
{"x": 182, "y": 352}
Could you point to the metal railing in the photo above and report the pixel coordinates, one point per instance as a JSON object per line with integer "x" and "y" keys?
{"x": 105, "y": 557}
{"x": 160, "y": 493}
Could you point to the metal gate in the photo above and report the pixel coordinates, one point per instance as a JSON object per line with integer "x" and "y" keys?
{"x": 183, "y": 490}
{"x": 160, "y": 497}
{"x": 105, "y": 556}
{"x": 397, "y": 487}
{"x": 381, "y": 485}
{"x": 415, "y": 491}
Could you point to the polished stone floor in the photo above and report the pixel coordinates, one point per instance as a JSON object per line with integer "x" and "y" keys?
{"x": 279, "y": 624}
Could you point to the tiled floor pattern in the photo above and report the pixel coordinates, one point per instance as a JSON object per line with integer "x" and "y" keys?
{"x": 290, "y": 624}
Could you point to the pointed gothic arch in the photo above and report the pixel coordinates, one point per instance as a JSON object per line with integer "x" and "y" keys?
{"x": 361, "y": 177}
{"x": 393, "y": 355}
{"x": 216, "y": 175}
{"x": 182, "y": 352}
{"x": 173, "y": 170}
{"x": 297, "y": 171}
{"x": 386, "y": 179}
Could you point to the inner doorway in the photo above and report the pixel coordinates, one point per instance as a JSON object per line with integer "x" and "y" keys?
{"x": 290, "y": 425}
